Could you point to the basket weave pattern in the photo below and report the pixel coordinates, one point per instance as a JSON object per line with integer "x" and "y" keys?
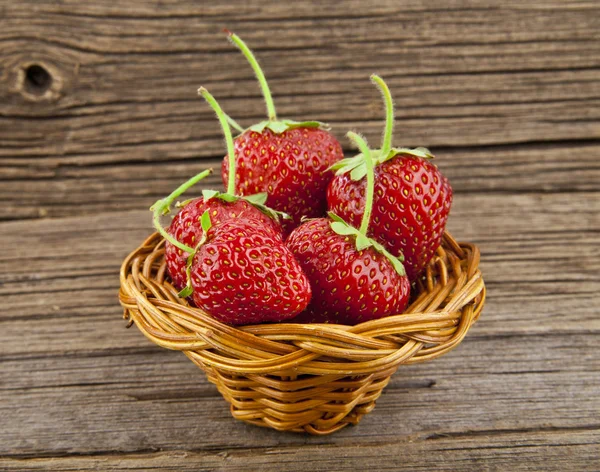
{"x": 314, "y": 378}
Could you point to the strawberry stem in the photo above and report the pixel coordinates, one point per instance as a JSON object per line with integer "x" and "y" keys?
{"x": 235, "y": 39}
{"x": 386, "y": 143}
{"x": 161, "y": 207}
{"x": 366, "y": 152}
{"x": 234, "y": 124}
{"x": 228, "y": 137}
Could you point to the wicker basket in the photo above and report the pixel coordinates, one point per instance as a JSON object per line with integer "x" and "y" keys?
{"x": 314, "y": 378}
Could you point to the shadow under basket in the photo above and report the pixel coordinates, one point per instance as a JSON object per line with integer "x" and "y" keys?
{"x": 314, "y": 378}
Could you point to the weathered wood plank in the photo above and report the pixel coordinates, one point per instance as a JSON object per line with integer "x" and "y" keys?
{"x": 548, "y": 451}
{"x": 461, "y": 76}
{"x": 551, "y": 450}
{"x": 32, "y": 189}
{"x": 136, "y": 400}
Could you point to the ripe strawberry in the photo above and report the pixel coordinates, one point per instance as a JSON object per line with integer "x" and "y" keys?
{"x": 286, "y": 159}
{"x": 244, "y": 274}
{"x": 349, "y": 286}
{"x": 186, "y": 229}
{"x": 292, "y": 167}
{"x": 411, "y": 203}
{"x": 353, "y": 278}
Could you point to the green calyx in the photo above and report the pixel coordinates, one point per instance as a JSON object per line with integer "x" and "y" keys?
{"x": 358, "y": 169}
{"x": 339, "y": 226}
{"x": 272, "y": 123}
{"x": 257, "y": 200}
{"x": 279, "y": 126}
{"x": 362, "y": 241}
{"x": 356, "y": 165}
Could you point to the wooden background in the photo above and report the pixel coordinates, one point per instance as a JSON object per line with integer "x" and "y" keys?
{"x": 507, "y": 97}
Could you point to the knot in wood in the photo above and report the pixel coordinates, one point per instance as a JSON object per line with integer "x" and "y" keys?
{"x": 38, "y": 81}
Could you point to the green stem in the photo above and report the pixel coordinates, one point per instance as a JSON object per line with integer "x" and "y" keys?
{"x": 366, "y": 152}
{"x": 235, "y": 39}
{"x": 161, "y": 207}
{"x": 234, "y": 124}
{"x": 386, "y": 143}
{"x": 228, "y": 137}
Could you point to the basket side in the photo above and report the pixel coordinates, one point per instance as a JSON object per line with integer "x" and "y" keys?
{"x": 315, "y": 378}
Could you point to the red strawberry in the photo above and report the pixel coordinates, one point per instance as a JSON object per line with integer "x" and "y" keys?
{"x": 353, "y": 278}
{"x": 411, "y": 203}
{"x": 185, "y": 231}
{"x": 286, "y": 159}
{"x": 292, "y": 167}
{"x": 349, "y": 286}
{"x": 244, "y": 274}
{"x": 186, "y": 228}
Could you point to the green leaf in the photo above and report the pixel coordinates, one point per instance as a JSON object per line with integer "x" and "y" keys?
{"x": 362, "y": 242}
{"x": 277, "y": 127}
{"x": 398, "y": 267}
{"x": 257, "y": 198}
{"x": 356, "y": 164}
{"x": 396, "y": 261}
{"x": 259, "y": 127}
{"x": 273, "y": 214}
{"x": 227, "y": 197}
{"x": 186, "y": 292}
{"x": 280, "y": 126}
{"x": 346, "y": 165}
{"x": 358, "y": 172}
{"x": 305, "y": 124}
{"x": 421, "y": 152}
{"x": 205, "y": 221}
{"x": 342, "y": 229}
{"x": 208, "y": 194}
{"x": 183, "y": 203}
{"x": 334, "y": 217}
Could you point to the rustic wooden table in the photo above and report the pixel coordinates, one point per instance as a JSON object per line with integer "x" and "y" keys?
{"x": 99, "y": 118}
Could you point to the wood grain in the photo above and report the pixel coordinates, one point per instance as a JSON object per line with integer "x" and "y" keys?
{"x": 125, "y": 98}
{"x": 62, "y": 190}
{"x": 508, "y": 98}
{"x": 552, "y": 450}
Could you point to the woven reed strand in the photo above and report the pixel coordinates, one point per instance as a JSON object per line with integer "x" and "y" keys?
{"x": 314, "y": 378}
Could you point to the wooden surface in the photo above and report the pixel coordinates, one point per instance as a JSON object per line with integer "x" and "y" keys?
{"x": 507, "y": 97}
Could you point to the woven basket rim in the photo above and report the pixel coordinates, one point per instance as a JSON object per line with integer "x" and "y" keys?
{"x": 448, "y": 300}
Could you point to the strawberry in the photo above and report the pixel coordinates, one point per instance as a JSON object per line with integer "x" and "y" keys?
{"x": 288, "y": 160}
{"x": 243, "y": 273}
{"x": 185, "y": 231}
{"x": 291, "y": 167}
{"x": 349, "y": 286}
{"x": 412, "y": 198}
{"x": 353, "y": 278}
